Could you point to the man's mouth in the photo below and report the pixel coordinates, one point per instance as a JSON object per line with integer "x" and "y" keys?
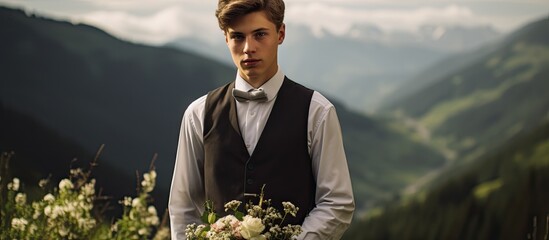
{"x": 250, "y": 62}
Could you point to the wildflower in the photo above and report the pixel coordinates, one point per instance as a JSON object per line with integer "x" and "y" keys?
{"x": 20, "y": 199}
{"x": 136, "y": 203}
{"x": 57, "y": 211}
{"x": 149, "y": 181}
{"x": 43, "y": 182}
{"x": 143, "y": 231}
{"x": 37, "y": 210}
{"x": 63, "y": 231}
{"x": 65, "y": 185}
{"x": 290, "y": 208}
{"x": 76, "y": 172}
{"x": 127, "y": 201}
{"x": 14, "y": 185}
{"x": 19, "y": 224}
{"x": 89, "y": 188}
{"x": 232, "y": 205}
{"x": 47, "y": 211}
{"x": 32, "y": 228}
{"x": 151, "y": 210}
{"x": 49, "y": 198}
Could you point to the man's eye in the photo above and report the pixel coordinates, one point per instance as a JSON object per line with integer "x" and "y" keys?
{"x": 237, "y": 37}
{"x": 260, "y": 34}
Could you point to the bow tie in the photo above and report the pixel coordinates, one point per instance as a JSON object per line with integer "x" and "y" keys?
{"x": 253, "y": 95}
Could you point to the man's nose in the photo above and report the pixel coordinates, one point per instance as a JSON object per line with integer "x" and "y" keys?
{"x": 249, "y": 46}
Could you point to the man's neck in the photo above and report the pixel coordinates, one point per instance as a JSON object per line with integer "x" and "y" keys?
{"x": 258, "y": 81}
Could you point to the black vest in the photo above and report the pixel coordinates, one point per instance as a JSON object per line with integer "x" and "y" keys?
{"x": 280, "y": 160}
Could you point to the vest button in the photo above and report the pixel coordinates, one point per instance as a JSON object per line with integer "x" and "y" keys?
{"x": 250, "y": 181}
{"x": 250, "y": 166}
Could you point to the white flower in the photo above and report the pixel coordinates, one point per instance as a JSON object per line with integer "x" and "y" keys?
{"x": 89, "y": 189}
{"x": 127, "y": 201}
{"x": 65, "y": 184}
{"x": 232, "y": 205}
{"x": 43, "y": 182}
{"x": 114, "y": 227}
{"x": 32, "y": 228}
{"x": 76, "y": 172}
{"x": 143, "y": 231}
{"x": 149, "y": 181}
{"x": 20, "y": 199}
{"x": 152, "y": 210}
{"x": 290, "y": 208}
{"x": 47, "y": 211}
{"x": 14, "y": 185}
{"x": 251, "y": 227}
{"x": 49, "y": 198}
{"x": 56, "y": 211}
{"x": 19, "y": 224}
{"x": 136, "y": 203}
{"x": 37, "y": 210}
{"x": 63, "y": 231}
{"x": 260, "y": 237}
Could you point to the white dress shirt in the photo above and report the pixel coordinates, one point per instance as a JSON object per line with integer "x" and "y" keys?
{"x": 334, "y": 197}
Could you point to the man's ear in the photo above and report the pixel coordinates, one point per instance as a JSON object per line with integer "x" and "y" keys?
{"x": 281, "y": 33}
{"x": 226, "y": 37}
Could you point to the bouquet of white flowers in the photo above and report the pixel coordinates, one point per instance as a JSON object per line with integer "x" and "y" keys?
{"x": 261, "y": 222}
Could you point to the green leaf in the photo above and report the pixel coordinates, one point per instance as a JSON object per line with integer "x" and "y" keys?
{"x": 239, "y": 215}
{"x": 212, "y": 218}
{"x": 204, "y": 217}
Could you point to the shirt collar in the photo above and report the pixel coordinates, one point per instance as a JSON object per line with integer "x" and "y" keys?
{"x": 270, "y": 87}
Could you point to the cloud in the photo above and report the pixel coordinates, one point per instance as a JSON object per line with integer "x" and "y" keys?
{"x": 338, "y": 20}
{"x": 157, "y": 28}
{"x": 159, "y": 21}
{"x": 193, "y": 19}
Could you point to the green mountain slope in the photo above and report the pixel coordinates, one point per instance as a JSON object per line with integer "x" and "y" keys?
{"x": 500, "y": 196}
{"x": 491, "y": 99}
{"x": 91, "y": 88}
{"x": 382, "y": 162}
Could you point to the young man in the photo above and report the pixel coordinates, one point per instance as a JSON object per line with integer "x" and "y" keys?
{"x": 261, "y": 129}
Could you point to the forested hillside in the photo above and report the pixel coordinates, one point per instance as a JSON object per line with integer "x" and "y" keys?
{"x": 497, "y": 197}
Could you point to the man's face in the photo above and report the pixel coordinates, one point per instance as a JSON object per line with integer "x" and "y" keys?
{"x": 253, "y": 41}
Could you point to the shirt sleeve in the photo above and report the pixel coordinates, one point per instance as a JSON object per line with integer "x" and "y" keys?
{"x": 334, "y": 195}
{"x": 187, "y": 195}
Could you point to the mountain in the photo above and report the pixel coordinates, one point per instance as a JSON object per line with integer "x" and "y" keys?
{"x": 503, "y": 195}
{"x": 82, "y": 85}
{"x": 484, "y": 102}
{"x": 450, "y": 39}
{"x": 364, "y": 66}
{"x": 493, "y": 114}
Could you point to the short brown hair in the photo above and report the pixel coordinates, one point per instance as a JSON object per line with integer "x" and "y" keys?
{"x": 229, "y": 10}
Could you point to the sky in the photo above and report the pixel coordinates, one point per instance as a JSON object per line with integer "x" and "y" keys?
{"x": 157, "y": 22}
